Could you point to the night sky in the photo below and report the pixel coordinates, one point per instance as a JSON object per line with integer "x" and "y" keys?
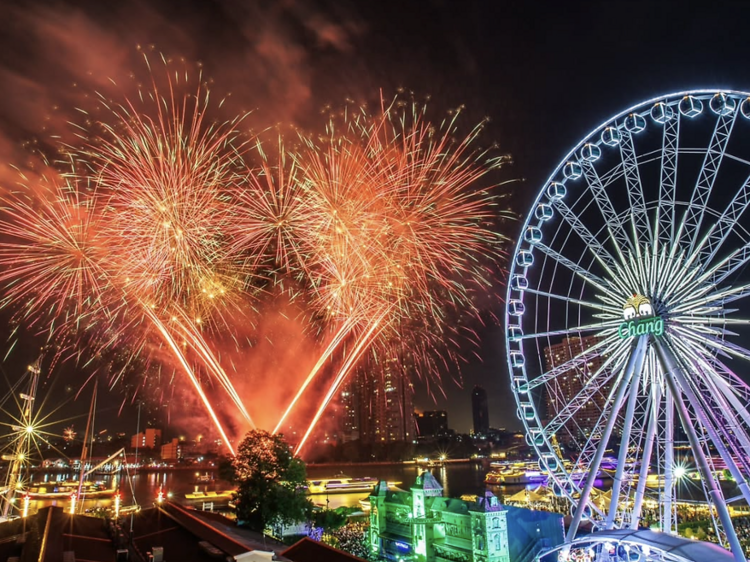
{"x": 545, "y": 73}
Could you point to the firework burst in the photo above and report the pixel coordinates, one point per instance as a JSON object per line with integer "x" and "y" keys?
{"x": 404, "y": 232}
{"x": 52, "y": 254}
{"x": 384, "y": 228}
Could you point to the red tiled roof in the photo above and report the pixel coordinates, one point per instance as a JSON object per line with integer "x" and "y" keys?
{"x": 308, "y": 550}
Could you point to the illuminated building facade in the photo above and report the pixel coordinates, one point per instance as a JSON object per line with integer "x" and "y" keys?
{"x": 171, "y": 451}
{"x": 424, "y": 526}
{"x": 377, "y": 406}
{"x": 348, "y": 410}
{"x": 570, "y": 383}
{"x": 148, "y": 439}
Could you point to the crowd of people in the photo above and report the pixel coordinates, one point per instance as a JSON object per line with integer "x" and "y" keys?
{"x": 742, "y": 526}
{"x": 351, "y": 538}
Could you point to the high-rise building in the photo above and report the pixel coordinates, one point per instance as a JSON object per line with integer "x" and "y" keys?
{"x": 569, "y": 384}
{"x": 348, "y": 410}
{"x": 431, "y": 424}
{"x": 377, "y": 406}
{"x": 480, "y": 411}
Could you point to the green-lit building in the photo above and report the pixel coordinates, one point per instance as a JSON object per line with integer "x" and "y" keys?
{"x": 423, "y": 526}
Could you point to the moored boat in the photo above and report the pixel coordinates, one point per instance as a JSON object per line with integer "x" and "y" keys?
{"x": 343, "y": 484}
{"x": 53, "y": 490}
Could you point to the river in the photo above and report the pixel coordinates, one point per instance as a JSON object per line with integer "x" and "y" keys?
{"x": 456, "y": 478}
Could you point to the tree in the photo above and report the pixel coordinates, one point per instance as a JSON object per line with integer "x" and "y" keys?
{"x": 226, "y": 470}
{"x": 270, "y": 482}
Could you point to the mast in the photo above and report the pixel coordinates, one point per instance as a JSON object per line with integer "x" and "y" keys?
{"x": 85, "y": 451}
{"x": 24, "y": 436}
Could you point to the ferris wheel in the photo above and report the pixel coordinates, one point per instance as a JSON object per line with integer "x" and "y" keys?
{"x": 628, "y": 318}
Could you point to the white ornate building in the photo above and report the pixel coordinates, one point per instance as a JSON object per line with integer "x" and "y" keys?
{"x": 423, "y": 526}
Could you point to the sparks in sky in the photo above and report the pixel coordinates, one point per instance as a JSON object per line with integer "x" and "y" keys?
{"x": 169, "y": 227}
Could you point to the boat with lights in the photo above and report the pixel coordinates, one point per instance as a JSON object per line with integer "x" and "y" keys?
{"x": 343, "y": 484}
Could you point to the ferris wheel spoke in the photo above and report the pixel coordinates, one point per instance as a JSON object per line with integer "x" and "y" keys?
{"x": 584, "y": 274}
{"x": 594, "y": 385}
{"x": 734, "y": 388}
{"x": 592, "y": 243}
{"x": 640, "y": 281}
{"x": 674, "y": 376}
{"x": 667, "y": 276}
{"x": 622, "y": 457}
{"x": 664, "y": 220}
{"x": 685, "y": 281}
{"x": 713, "y": 384}
{"x": 711, "y": 324}
{"x": 606, "y": 328}
{"x": 724, "y": 225}
{"x": 707, "y": 415}
{"x": 640, "y": 491}
{"x": 725, "y": 410}
{"x": 693, "y": 218}
{"x": 731, "y": 264}
{"x": 639, "y": 216}
{"x": 597, "y": 306}
{"x": 717, "y": 298}
{"x": 615, "y": 228}
{"x": 616, "y": 398}
{"x": 719, "y": 344}
{"x": 580, "y": 359}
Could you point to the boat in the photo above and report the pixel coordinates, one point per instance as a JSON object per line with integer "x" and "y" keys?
{"x": 210, "y": 495}
{"x": 203, "y": 478}
{"x": 529, "y": 473}
{"x": 343, "y": 484}
{"x": 513, "y": 476}
{"x": 515, "y": 473}
{"x": 58, "y": 490}
{"x": 493, "y": 478}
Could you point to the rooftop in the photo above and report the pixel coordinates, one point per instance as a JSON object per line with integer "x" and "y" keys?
{"x": 186, "y": 535}
{"x": 308, "y": 550}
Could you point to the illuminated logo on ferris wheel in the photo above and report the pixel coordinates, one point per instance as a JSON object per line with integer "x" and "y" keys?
{"x": 639, "y": 318}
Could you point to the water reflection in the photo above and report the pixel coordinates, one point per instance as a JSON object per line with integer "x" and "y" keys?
{"x": 456, "y": 479}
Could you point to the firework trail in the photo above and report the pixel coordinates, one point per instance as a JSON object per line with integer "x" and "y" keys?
{"x": 168, "y": 224}
{"x": 191, "y": 375}
{"x": 401, "y": 225}
{"x": 168, "y": 181}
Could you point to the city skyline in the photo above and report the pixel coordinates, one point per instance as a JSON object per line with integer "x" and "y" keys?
{"x": 523, "y": 134}
{"x": 519, "y": 115}
{"x": 475, "y": 271}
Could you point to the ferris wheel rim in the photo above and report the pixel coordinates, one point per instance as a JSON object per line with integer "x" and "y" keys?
{"x": 571, "y": 155}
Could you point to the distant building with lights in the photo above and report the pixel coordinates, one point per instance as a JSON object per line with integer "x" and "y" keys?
{"x": 171, "y": 451}
{"x": 480, "y": 411}
{"x": 424, "y": 526}
{"x": 148, "y": 439}
{"x": 432, "y": 423}
{"x": 568, "y": 385}
{"x": 377, "y": 407}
